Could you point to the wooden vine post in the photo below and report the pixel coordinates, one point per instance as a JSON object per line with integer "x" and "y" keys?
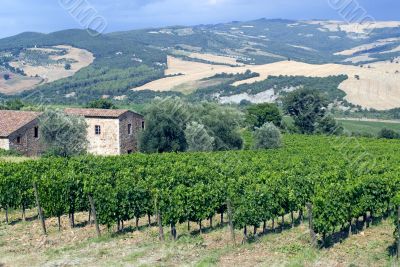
{"x": 94, "y": 215}
{"x": 398, "y": 232}
{"x": 232, "y": 230}
{"x": 310, "y": 223}
{"x": 40, "y": 211}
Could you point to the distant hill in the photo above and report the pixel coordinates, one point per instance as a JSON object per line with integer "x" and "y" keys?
{"x": 125, "y": 60}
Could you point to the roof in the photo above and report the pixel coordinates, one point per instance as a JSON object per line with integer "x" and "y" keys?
{"x": 11, "y": 121}
{"x": 97, "y": 113}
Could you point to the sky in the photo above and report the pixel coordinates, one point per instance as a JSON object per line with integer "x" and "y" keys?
{"x": 46, "y": 16}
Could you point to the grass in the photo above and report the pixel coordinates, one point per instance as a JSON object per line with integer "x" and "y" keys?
{"x": 372, "y": 127}
{"x": 22, "y": 242}
{"x": 13, "y": 159}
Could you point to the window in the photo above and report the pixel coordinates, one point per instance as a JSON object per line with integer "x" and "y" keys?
{"x": 36, "y": 134}
{"x": 143, "y": 125}
{"x": 129, "y": 129}
{"x": 97, "y": 129}
{"x": 19, "y": 140}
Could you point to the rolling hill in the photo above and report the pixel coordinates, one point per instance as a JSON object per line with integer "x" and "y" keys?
{"x": 123, "y": 61}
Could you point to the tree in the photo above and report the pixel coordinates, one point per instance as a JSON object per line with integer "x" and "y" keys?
{"x": 388, "y": 134}
{"x": 222, "y": 123}
{"x": 267, "y": 136}
{"x": 6, "y": 76}
{"x": 328, "y": 125}
{"x": 102, "y": 104}
{"x": 258, "y": 115}
{"x": 63, "y": 135}
{"x": 306, "y": 107}
{"x": 198, "y": 138}
{"x": 14, "y": 104}
{"x": 166, "y": 122}
{"x": 67, "y": 66}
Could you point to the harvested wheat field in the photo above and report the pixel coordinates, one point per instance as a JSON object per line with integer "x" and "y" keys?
{"x": 80, "y": 58}
{"x": 17, "y": 83}
{"x": 376, "y": 85}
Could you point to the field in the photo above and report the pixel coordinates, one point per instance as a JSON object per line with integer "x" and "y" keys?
{"x": 372, "y": 86}
{"x": 22, "y": 242}
{"x": 40, "y": 70}
{"x": 365, "y": 126}
{"x": 17, "y": 83}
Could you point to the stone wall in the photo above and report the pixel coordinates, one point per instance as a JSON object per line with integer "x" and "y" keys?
{"x": 107, "y": 143}
{"x": 29, "y": 145}
{"x": 129, "y": 142}
{"x": 4, "y": 143}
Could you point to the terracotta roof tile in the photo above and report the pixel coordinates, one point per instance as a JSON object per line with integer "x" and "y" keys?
{"x": 11, "y": 121}
{"x": 96, "y": 113}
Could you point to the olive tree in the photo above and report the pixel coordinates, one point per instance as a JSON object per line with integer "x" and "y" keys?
{"x": 197, "y": 137}
{"x": 267, "y": 136}
{"x": 166, "y": 122}
{"x": 63, "y": 135}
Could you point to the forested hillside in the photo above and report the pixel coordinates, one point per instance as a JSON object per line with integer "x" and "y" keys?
{"x": 125, "y": 60}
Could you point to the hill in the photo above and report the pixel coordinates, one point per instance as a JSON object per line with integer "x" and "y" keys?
{"x": 131, "y": 59}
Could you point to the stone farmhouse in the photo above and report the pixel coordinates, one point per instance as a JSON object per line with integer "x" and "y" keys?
{"x": 19, "y": 131}
{"x": 110, "y": 132}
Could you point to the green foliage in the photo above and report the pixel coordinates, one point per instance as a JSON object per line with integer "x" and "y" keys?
{"x": 259, "y": 185}
{"x": 92, "y": 83}
{"x": 63, "y": 135}
{"x": 328, "y": 125}
{"x": 13, "y": 104}
{"x": 197, "y": 138}
{"x": 267, "y": 136}
{"x": 258, "y": 115}
{"x": 101, "y": 104}
{"x": 222, "y": 123}
{"x": 306, "y": 107}
{"x": 9, "y": 153}
{"x": 168, "y": 120}
{"x": 388, "y": 134}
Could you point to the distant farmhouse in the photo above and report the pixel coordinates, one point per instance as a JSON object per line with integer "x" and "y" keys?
{"x": 19, "y": 131}
{"x": 110, "y": 132}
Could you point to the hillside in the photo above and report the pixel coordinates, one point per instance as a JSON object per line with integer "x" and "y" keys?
{"x": 131, "y": 59}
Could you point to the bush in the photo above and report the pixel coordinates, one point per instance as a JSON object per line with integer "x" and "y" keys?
{"x": 388, "y": 134}
{"x": 6, "y": 153}
{"x": 267, "y": 137}
{"x": 102, "y": 104}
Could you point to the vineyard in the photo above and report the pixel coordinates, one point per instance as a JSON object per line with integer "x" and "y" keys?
{"x": 334, "y": 182}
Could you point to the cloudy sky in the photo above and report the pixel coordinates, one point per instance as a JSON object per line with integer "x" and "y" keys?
{"x": 51, "y": 15}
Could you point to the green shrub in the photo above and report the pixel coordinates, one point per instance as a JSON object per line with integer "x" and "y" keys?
{"x": 267, "y": 137}
{"x": 388, "y": 134}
